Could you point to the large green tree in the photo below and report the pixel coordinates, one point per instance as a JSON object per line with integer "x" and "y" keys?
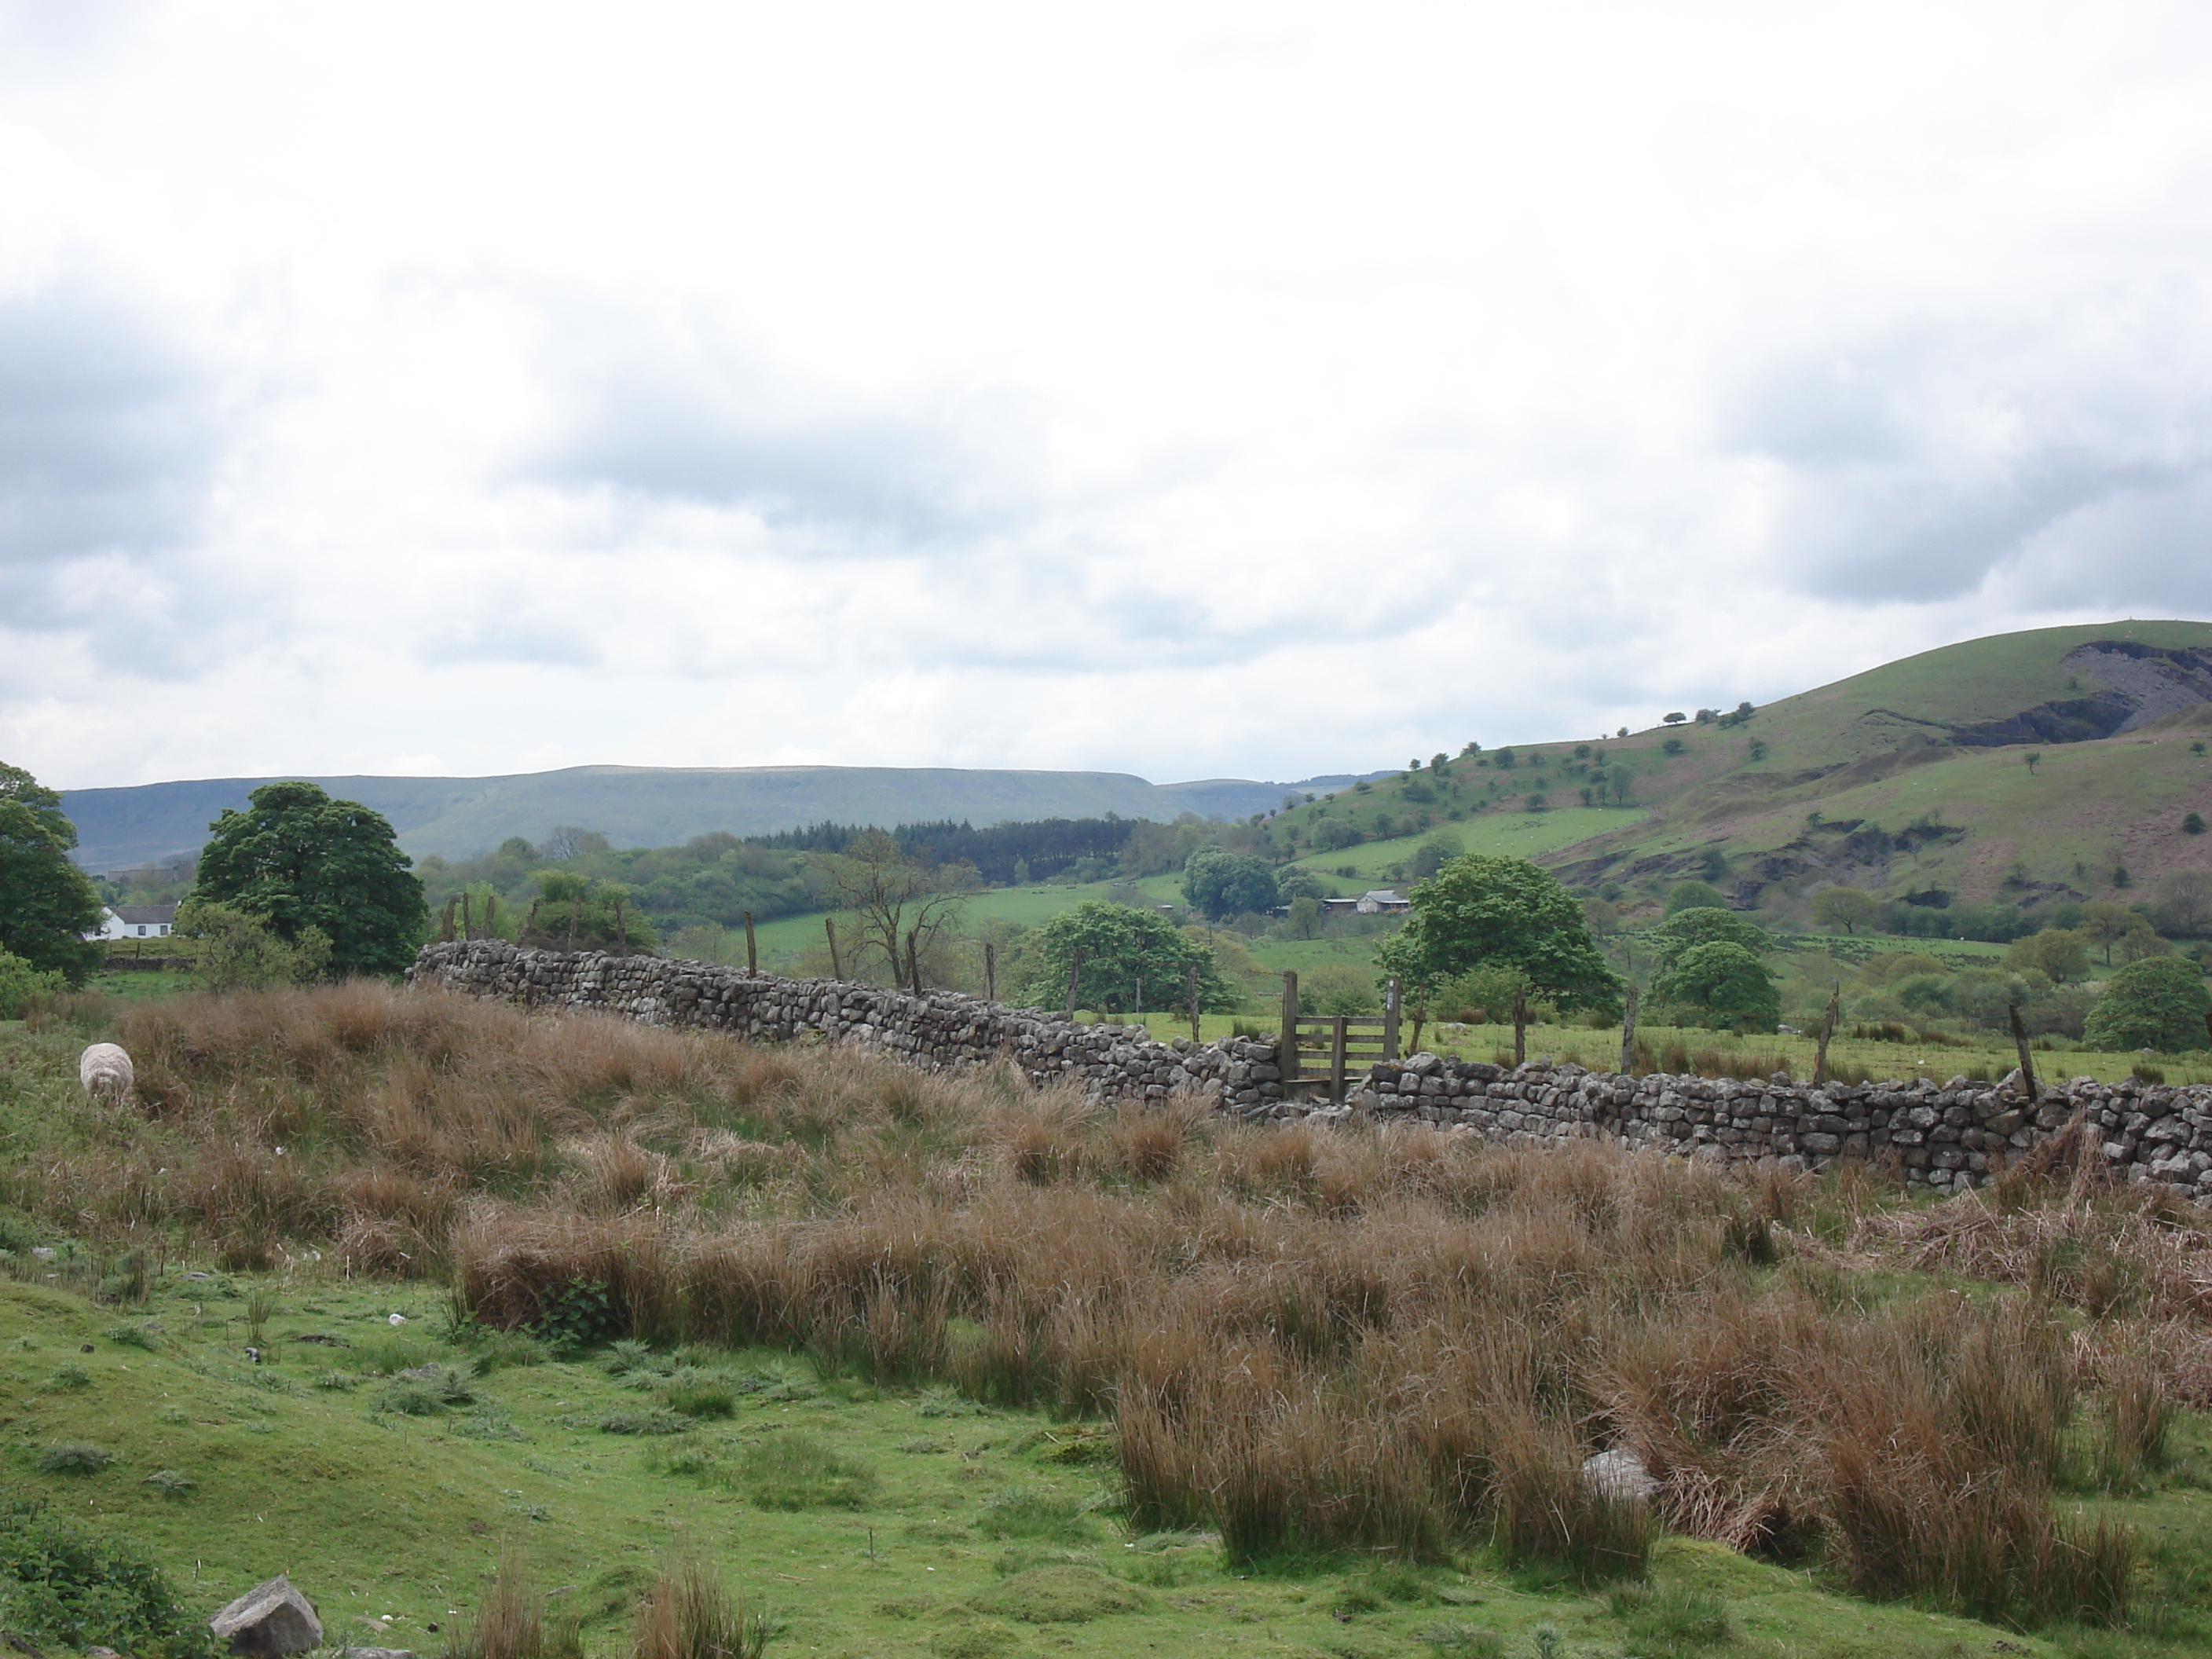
{"x": 2060, "y": 954}
{"x": 47, "y": 904}
{"x": 1730, "y": 986}
{"x": 1124, "y": 948}
{"x": 1485, "y": 912}
{"x": 299, "y": 860}
{"x": 1685, "y": 930}
{"x": 2158, "y": 1003}
{"x": 1219, "y": 883}
{"x": 1846, "y": 908}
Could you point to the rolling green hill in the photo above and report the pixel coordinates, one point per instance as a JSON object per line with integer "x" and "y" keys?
{"x": 656, "y": 806}
{"x": 1913, "y": 778}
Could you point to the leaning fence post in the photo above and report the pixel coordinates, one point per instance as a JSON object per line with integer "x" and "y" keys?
{"x": 1829, "y": 1018}
{"x": 990, "y": 972}
{"x": 830, "y": 926}
{"x": 2020, "y": 1042}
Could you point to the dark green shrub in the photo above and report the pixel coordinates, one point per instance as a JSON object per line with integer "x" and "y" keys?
{"x": 2158, "y": 1002}
{"x": 66, "y": 1588}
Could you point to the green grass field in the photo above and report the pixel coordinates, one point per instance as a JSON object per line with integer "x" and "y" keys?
{"x": 1493, "y": 833}
{"x": 921, "y": 1523}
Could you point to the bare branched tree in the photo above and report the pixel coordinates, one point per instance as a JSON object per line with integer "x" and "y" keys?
{"x": 895, "y": 898}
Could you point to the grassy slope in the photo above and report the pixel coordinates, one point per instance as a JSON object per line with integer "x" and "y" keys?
{"x": 376, "y": 1516}
{"x": 2119, "y": 801}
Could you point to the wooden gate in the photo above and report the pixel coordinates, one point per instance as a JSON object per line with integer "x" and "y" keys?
{"x": 1322, "y": 1051}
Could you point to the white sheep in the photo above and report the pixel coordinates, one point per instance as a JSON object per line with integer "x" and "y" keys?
{"x": 105, "y": 1070}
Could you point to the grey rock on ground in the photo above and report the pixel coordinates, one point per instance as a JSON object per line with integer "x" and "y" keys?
{"x": 1619, "y": 1474}
{"x": 272, "y": 1618}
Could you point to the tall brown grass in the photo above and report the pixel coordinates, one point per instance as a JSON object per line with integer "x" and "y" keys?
{"x": 1304, "y": 1337}
{"x": 510, "y": 1623}
{"x": 687, "y": 1615}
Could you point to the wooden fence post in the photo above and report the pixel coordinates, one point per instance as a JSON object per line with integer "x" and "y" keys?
{"x": 1336, "y": 1061}
{"x": 990, "y": 972}
{"x": 1628, "y": 1032}
{"x": 1828, "y": 1019}
{"x": 2027, "y": 1061}
{"x": 752, "y": 953}
{"x": 912, "y": 960}
{"x": 1286, "y": 1052}
{"x": 1074, "y": 974}
{"x": 1391, "y": 997}
{"x": 1190, "y": 981}
{"x": 1520, "y": 1028}
{"x": 468, "y": 928}
{"x": 836, "y": 967}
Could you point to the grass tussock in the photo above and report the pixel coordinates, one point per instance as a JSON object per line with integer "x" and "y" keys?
{"x": 688, "y": 1615}
{"x": 510, "y": 1623}
{"x": 1381, "y": 1340}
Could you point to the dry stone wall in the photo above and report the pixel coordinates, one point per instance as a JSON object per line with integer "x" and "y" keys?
{"x": 939, "y": 1030}
{"x": 1948, "y": 1136}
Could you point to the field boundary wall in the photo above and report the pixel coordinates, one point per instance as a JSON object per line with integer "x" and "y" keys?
{"x": 1944, "y": 1136}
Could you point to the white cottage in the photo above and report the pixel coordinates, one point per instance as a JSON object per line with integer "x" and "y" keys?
{"x": 135, "y": 922}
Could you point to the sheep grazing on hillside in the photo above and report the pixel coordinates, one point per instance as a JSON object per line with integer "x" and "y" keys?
{"x": 105, "y": 1070}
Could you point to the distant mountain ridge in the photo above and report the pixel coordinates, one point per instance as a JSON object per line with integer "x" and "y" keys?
{"x": 658, "y": 806}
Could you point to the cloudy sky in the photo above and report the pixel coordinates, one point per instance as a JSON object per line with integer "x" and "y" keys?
{"x": 1187, "y": 389}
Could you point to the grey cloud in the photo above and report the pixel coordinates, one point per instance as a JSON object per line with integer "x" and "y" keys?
{"x": 2144, "y": 552}
{"x": 682, "y": 414}
{"x": 108, "y": 431}
{"x": 509, "y": 640}
{"x": 1920, "y": 464}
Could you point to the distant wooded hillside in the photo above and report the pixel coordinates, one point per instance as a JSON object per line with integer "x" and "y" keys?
{"x": 660, "y": 807}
